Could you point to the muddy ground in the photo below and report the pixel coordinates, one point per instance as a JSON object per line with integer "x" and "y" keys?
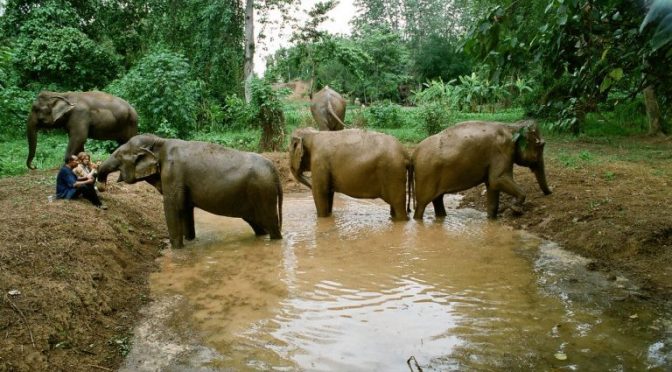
{"x": 73, "y": 277}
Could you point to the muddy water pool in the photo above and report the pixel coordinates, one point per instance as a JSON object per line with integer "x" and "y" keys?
{"x": 358, "y": 292}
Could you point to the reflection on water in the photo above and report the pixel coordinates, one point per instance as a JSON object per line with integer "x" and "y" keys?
{"x": 360, "y": 292}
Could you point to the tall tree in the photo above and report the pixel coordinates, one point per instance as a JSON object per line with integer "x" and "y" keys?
{"x": 248, "y": 69}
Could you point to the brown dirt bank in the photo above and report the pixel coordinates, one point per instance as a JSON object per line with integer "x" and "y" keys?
{"x": 82, "y": 273}
{"x": 610, "y": 203}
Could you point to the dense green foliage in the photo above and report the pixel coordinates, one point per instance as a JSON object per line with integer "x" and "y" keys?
{"x": 587, "y": 55}
{"x": 177, "y": 68}
{"x": 164, "y": 94}
{"x": 575, "y": 65}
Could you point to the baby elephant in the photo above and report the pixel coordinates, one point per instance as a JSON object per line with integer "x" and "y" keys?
{"x": 192, "y": 174}
{"x": 475, "y": 152}
{"x": 358, "y": 163}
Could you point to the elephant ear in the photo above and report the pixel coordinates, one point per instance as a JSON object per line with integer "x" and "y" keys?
{"x": 60, "y": 106}
{"x": 146, "y": 164}
{"x": 296, "y": 153}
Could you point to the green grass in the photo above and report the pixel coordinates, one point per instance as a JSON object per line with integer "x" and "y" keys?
{"x": 49, "y": 153}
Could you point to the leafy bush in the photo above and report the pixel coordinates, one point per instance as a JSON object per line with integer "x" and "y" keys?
{"x": 14, "y": 108}
{"x": 268, "y": 115}
{"x": 384, "y": 115}
{"x": 436, "y": 91}
{"x": 163, "y": 92}
{"x": 237, "y": 114}
{"x": 435, "y": 117}
{"x": 63, "y": 55}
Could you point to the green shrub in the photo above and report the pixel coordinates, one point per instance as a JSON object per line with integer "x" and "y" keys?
{"x": 14, "y": 108}
{"x": 268, "y": 115}
{"x": 384, "y": 115}
{"x": 163, "y": 92}
{"x": 52, "y": 49}
{"x": 237, "y": 114}
{"x": 435, "y": 117}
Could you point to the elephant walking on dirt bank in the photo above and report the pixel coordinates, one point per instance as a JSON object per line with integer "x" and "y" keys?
{"x": 475, "y": 152}
{"x": 358, "y": 163}
{"x": 192, "y": 174}
{"x": 96, "y": 115}
{"x": 328, "y": 109}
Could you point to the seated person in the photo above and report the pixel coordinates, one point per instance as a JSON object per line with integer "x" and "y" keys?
{"x": 69, "y": 186}
{"x": 85, "y": 166}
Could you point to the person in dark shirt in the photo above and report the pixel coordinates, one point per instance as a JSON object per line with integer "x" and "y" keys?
{"x": 69, "y": 186}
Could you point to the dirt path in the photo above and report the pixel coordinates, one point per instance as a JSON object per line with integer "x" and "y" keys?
{"x": 72, "y": 278}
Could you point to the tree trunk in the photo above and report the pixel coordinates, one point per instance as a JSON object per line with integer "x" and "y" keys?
{"x": 249, "y": 49}
{"x": 652, "y": 111}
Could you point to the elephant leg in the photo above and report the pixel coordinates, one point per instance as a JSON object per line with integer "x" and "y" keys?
{"x": 174, "y": 220}
{"x": 258, "y": 229}
{"x": 439, "y": 208}
{"x": 75, "y": 143}
{"x": 506, "y": 184}
{"x": 394, "y": 194}
{"x": 398, "y": 210}
{"x": 420, "y": 205}
{"x": 330, "y": 201}
{"x": 323, "y": 196}
{"x": 269, "y": 220}
{"x": 174, "y": 207}
{"x": 264, "y": 218}
{"x": 189, "y": 228}
{"x": 493, "y": 202}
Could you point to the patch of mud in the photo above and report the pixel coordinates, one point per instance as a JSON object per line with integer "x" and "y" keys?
{"x": 164, "y": 341}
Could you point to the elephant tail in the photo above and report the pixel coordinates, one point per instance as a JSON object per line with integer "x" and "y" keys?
{"x": 330, "y": 108}
{"x": 410, "y": 187}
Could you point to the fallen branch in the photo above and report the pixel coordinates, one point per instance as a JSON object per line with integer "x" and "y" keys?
{"x": 23, "y": 318}
{"x": 414, "y": 361}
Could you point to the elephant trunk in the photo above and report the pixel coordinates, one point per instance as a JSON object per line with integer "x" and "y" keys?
{"x": 110, "y": 165}
{"x": 31, "y": 133}
{"x": 299, "y": 176}
{"x": 540, "y": 173}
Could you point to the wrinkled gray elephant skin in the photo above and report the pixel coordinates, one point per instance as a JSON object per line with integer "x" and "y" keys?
{"x": 357, "y": 163}
{"x": 192, "y": 174}
{"x": 95, "y": 115}
{"x": 476, "y": 152}
{"x": 328, "y": 109}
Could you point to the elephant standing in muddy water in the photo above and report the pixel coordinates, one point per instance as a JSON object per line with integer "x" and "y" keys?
{"x": 192, "y": 174}
{"x": 96, "y": 115}
{"x": 328, "y": 109}
{"x": 475, "y": 152}
{"x": 358, "y": 163}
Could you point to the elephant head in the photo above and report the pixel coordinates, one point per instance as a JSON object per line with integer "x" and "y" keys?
{"x": 137, "y": 160}
{"x": 299, "y": 154}
{"x": 47, "y": 110}
{"x": 529, "y": 151}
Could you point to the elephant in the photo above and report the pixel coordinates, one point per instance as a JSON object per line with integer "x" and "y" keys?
{"x": 190, "y": 174}
{"x": 328, "y": 109}
{"x": 475, "y": 152}
{"x": 355, "y": 162}
{"x": 96, "y": 115}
